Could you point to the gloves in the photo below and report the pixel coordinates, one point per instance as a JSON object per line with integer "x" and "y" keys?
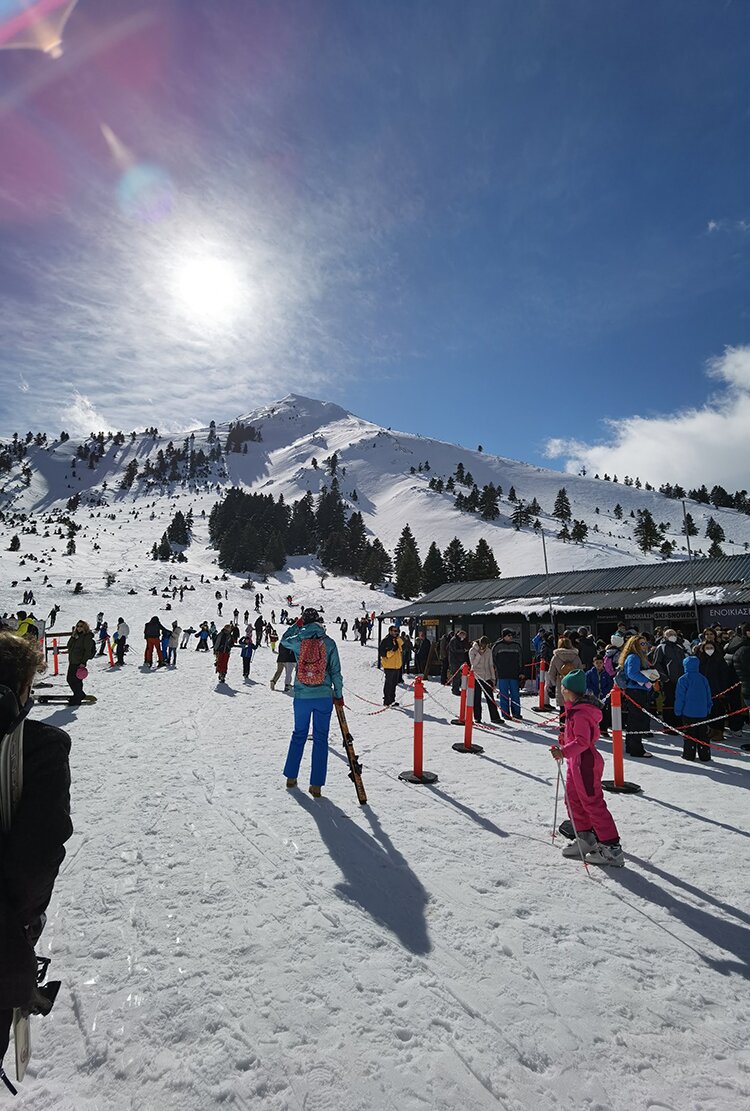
{"x": 339, "y": 701}
{"x": 557, "y": 753}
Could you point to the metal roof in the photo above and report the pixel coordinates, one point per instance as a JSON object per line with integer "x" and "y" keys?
{"x": 599, "y": 589}
{"x": 638, "y": 576}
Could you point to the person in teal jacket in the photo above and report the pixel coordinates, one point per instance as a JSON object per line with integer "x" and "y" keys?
{"x": 312, "y": 699}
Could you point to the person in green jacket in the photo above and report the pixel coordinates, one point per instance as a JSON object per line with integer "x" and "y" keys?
{"x": 318, "y": 684}
{"x": 81, "y": 649}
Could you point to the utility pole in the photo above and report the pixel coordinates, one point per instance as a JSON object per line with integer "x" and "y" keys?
{"x": 549, "y": 595}
{"x": 690, "y": 561}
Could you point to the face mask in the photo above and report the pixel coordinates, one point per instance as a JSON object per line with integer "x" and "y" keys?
{"x": 672, "y": 640}
{"x": 709, "y": 650}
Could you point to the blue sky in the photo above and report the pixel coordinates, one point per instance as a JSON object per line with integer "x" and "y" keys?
{"x": 500, "y": 223}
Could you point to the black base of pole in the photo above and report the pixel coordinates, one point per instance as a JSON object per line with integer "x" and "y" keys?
{"x": 543, "y": 710}
{"x": 471, "y": 748}
{"x": 457, "y": 721}
{"x": 426, "y": 777}
{"x": 626, "y": 789}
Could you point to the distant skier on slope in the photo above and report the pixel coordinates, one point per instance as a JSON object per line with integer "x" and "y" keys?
{"x": 317, "y": 686}
{"x": 222, "y": 648}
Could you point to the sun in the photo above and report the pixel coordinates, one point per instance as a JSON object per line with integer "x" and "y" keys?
{"x": 209, "y": 289}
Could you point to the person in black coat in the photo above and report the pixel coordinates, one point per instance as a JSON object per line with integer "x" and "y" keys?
{"x": 422, "y": 654}
{"x": 458, "y": 655}
{"x": 667, "y": 660}
{"x": 586, "y": 648}
{"x": 33, "y": 833}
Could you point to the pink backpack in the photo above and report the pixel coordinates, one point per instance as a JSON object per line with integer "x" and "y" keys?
{"x": 311, "y": 665}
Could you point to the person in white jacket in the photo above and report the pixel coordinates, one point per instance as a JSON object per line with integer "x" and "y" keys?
{"x": 174, "y": 643}
{"x": 483, "y": 666}
{"x": 123, "y": 632}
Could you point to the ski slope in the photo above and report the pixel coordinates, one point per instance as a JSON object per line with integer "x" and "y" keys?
{"x": 225, "y": 943}
{"x": 373, "y": 461}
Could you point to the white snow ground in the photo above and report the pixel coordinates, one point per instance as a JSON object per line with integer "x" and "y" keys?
{"x": 225, "y": 943}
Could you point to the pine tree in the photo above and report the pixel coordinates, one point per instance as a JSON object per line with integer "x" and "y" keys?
{"x": 408, "y": 565}
{"x": 689, "y": 527}
{"x": 520, "y": 516}
{"x": 483, "y": 562}
{"x": 433, "y": 569}
{"x": 535, "y": 507}
{"x": 379, "y": 564}
{"x": 177, "y": 531}
{"x": 356, "y": 543}
{"x": 15, "y": 544}
{"x": 618, "y": 511}
{"x": 579, "y": 532}
{"x": 512, "y": 494}
{"x": 667, "y": 548}
{"x": 716, "y": 550}
{"x": 562, "y": 508}
{"x": 454, "y": 559}
{"x": 714, "y": 531}
{"x": 646, "y": 532}
{"x": 488, "y": 507}
{"x": 71, "y": 548}
{"x": 563, "y": 534}
{"x": 459, "y": 472}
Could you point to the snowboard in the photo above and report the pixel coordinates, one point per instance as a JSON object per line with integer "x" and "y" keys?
{"x": 355, "y": 772}
{"x": 62, "y": 698}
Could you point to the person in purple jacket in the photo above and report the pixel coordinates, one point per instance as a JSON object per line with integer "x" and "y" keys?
{"x": 597, "y": 835}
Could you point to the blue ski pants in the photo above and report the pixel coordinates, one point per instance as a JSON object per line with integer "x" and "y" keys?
{"x": 319, "y": 709}
{"x": 510, "y": 701}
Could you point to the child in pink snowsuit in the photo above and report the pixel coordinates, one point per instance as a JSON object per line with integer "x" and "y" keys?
{"x": 595, "y": 827}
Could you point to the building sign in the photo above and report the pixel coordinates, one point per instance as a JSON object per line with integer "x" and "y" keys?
{"x": 729, "y": 613}
{"x": 430, "y": 621}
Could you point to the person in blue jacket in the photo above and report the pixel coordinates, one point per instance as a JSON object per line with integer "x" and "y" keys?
{"x": 599, "y": 683}
{"x": 318, "y": 684}
{"x": 692, "y": 705}
{"x": 637, "y": 685}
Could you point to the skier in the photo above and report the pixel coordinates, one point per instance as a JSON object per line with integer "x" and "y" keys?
{"x": 81, "y": 649}
{"x": 259, "y": 624}
{"x": 53, "y": 616}
{"x": 246, "y": 653}
{"x": 213, "y": 632}
{"x": 236, "y": 616}
{"x": 246, "y": 616}
{"x": 363, "y": 632}
{"x": 317, "y": 686}
{"x": 222, "y": 648}
{"x": 596, "y": 831}
{"x": 174, "y": 640}
{"x": 219, "y": 606}
{"x": 186, "y": 635}
{"x": 390, "y": 651}
{"x": 103, "y": 638}
{"x": 122, "y": 634}
{"x": 153, "y": 630}
{"x": 35, "y": 827}
{"x": 284, "y": 662}
{"x": 344, "y": 629}
{"x": 202, "y": 638}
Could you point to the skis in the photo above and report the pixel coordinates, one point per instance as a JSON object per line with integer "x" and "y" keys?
{"x": 65, "y": 698}
{"x": 355, "y": 773}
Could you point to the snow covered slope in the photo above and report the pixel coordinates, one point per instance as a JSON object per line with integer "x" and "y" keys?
{"x": 224, "y": 943}
{"x": 374, "y": 462}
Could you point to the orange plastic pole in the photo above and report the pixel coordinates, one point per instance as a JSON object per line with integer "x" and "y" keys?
{"x": 418, "y": 725}
{"x": 461, "y": 719}
{"x": 111, "y": 654}
{"x": 542, "y": 669}
{"x": 617, "y": 759}
{"x": 469, "y": 723}
{"x": 55, "y": 665}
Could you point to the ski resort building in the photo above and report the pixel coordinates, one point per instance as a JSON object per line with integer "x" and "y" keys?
{"x": 684, "y": 594}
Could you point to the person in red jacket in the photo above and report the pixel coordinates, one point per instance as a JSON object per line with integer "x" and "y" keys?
{"x": 597, "y": 837}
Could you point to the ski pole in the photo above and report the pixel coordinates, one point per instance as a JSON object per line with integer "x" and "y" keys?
{"x": 557, "y": 796}
{"x": 570, "y": 815}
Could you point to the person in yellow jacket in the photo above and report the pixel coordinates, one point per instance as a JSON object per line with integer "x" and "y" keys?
{"x": 391, "y": 655}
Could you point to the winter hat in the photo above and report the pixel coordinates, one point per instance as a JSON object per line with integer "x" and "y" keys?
{"x": 309, "y": 616}
{"x": 617, "y": 640}
{"x": 507, "y": 633}
{"x": 575, "y": 681}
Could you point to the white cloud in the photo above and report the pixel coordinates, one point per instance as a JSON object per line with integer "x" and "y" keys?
{"x": 79, "y": 417}
{"x": 709, "y": 444}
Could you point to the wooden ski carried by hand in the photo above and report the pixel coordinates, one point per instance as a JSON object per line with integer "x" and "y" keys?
{"x": 355, "y": 768}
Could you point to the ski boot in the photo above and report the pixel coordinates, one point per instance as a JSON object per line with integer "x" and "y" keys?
{"x": 314, "y": 791}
